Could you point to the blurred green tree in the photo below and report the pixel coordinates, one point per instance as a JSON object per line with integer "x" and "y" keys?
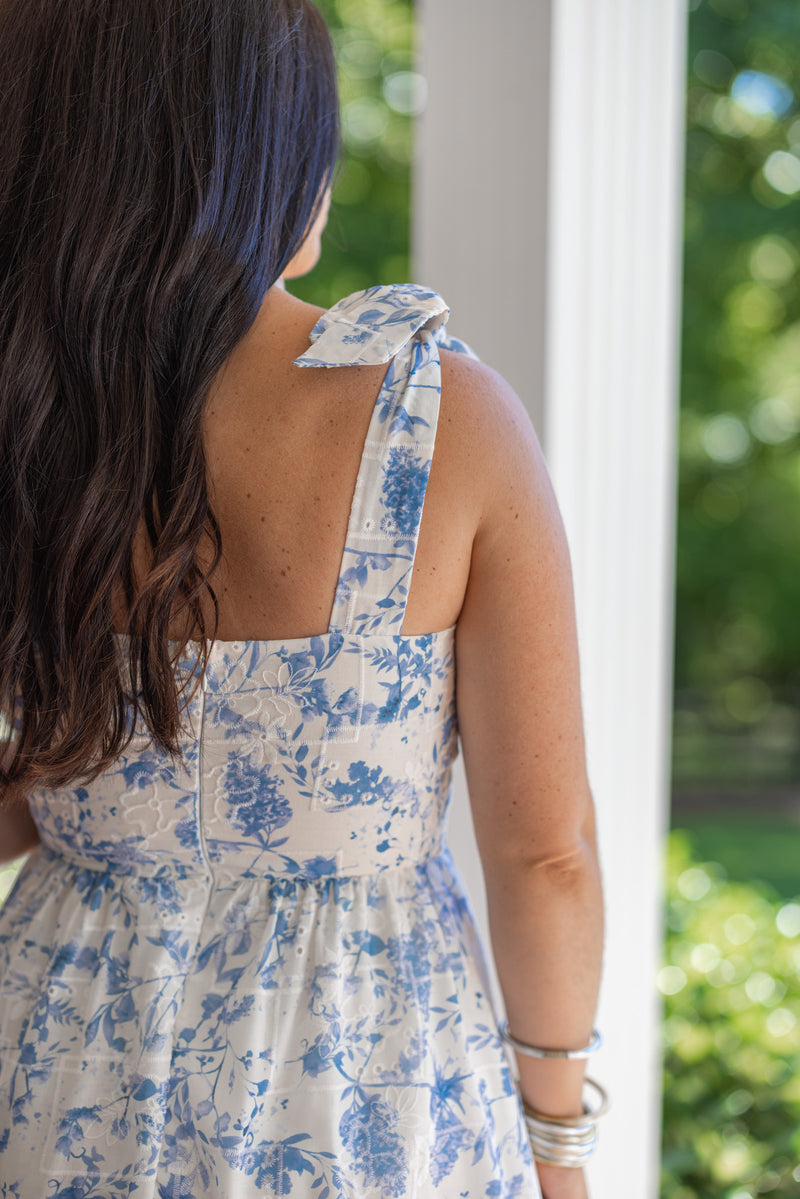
{"x": 737, "y": 651}
{"x": 367, "y": 239}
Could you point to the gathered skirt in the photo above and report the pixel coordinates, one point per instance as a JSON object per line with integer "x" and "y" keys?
{"x": 331, "y": 1038}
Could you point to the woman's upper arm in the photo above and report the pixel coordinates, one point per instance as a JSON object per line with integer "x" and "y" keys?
{"x": 518, "y": 688}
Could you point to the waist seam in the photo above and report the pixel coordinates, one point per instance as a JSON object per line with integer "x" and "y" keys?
{"x": 200, "y": 874}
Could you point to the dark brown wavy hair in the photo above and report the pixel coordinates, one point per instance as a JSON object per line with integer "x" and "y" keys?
{"x": 160, "y": 163}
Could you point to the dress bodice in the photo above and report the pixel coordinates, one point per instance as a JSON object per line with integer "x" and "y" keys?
{"x": 319, "y": 755}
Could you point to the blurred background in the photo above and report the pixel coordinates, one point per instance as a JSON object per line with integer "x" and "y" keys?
{"x": 731, "y": 974}
{"x": 730, "y": 982}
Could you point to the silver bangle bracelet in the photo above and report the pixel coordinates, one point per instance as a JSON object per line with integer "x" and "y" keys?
{"x": 590, "y": 1115}
{"x": 536, "y": 1050}
{"x": 542, "y": 1154}
{"x": 553, "y": 1149}
{"x": 567, "y": 1141}
{"x": 565, "y": 1135}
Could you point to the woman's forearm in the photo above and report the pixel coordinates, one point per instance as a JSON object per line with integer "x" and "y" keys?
{"x": 546, "y": 928}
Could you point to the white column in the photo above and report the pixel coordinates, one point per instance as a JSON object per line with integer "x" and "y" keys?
{"x": 547, "y": 211}
{"x": 479, "y": 224}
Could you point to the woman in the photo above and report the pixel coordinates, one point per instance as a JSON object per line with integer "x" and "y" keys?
{"x": 239, "y": 959}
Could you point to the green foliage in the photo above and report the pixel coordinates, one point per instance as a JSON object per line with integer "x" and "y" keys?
{"x": 731, "y": 987}
{"x": 367, "y": 239}
{"x": 737, "y": 653}
{"x": 747, "y": 845}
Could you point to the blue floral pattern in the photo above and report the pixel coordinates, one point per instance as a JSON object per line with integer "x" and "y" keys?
{"x": 258, "y": 973}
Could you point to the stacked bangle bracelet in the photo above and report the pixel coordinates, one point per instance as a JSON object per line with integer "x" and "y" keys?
{"x": 566, "y": 1140}
{"x": 595, "y": 1041}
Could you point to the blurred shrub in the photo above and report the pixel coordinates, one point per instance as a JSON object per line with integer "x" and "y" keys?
{"x": 731, "y": 987}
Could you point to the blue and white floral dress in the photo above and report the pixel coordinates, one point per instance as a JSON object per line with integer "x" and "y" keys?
{"x": 259, "y": 974}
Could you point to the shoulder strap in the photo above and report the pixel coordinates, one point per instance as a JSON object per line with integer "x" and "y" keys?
{"x": 405, "y": 326}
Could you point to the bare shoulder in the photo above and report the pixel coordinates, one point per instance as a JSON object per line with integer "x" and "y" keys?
{"x": 492, "y": 440}
{"x": 483, "y": 393}
{"x": 484, "y": 404}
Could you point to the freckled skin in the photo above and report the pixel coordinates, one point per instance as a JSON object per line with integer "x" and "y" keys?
{"x": 271, "y": 428}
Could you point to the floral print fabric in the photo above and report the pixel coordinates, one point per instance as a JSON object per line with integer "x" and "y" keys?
{"x": 258, "y": 973}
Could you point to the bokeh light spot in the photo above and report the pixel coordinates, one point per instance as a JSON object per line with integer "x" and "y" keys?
{"x": 358, "y": 57}
{"x": 761, "y": 95}
{"x": 725, "y": 438}
{"x": 729, "y": 118}
{"x": 739, "y": 928}
{"x": 755, "y": 306}
{"x": 738, "y": 1101}
{"x": 705, "y": 957}
{"x": 732, "y": 1162}
{"x": 406, "y": 92}
{"x": 364, "y": 120}
{"x": 760, "y": 987}
{"x": 773, "y": 260}
{"x": 670, "y": 980}
{"x": 694, "y": 883}
{"x": 788, "y": 920}
{"x": 723, "y": 974}
{"x": 712, "y": 68}
{"x": 774, "y": 420}
{"x": 782, "y": 172}
{"x": 780, "y": 1022}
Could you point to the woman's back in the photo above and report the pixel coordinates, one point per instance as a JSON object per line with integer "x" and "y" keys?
{"x": 283, "y": 447}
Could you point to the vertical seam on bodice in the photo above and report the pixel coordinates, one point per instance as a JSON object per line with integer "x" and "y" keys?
{"x": 199, "y": 816}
